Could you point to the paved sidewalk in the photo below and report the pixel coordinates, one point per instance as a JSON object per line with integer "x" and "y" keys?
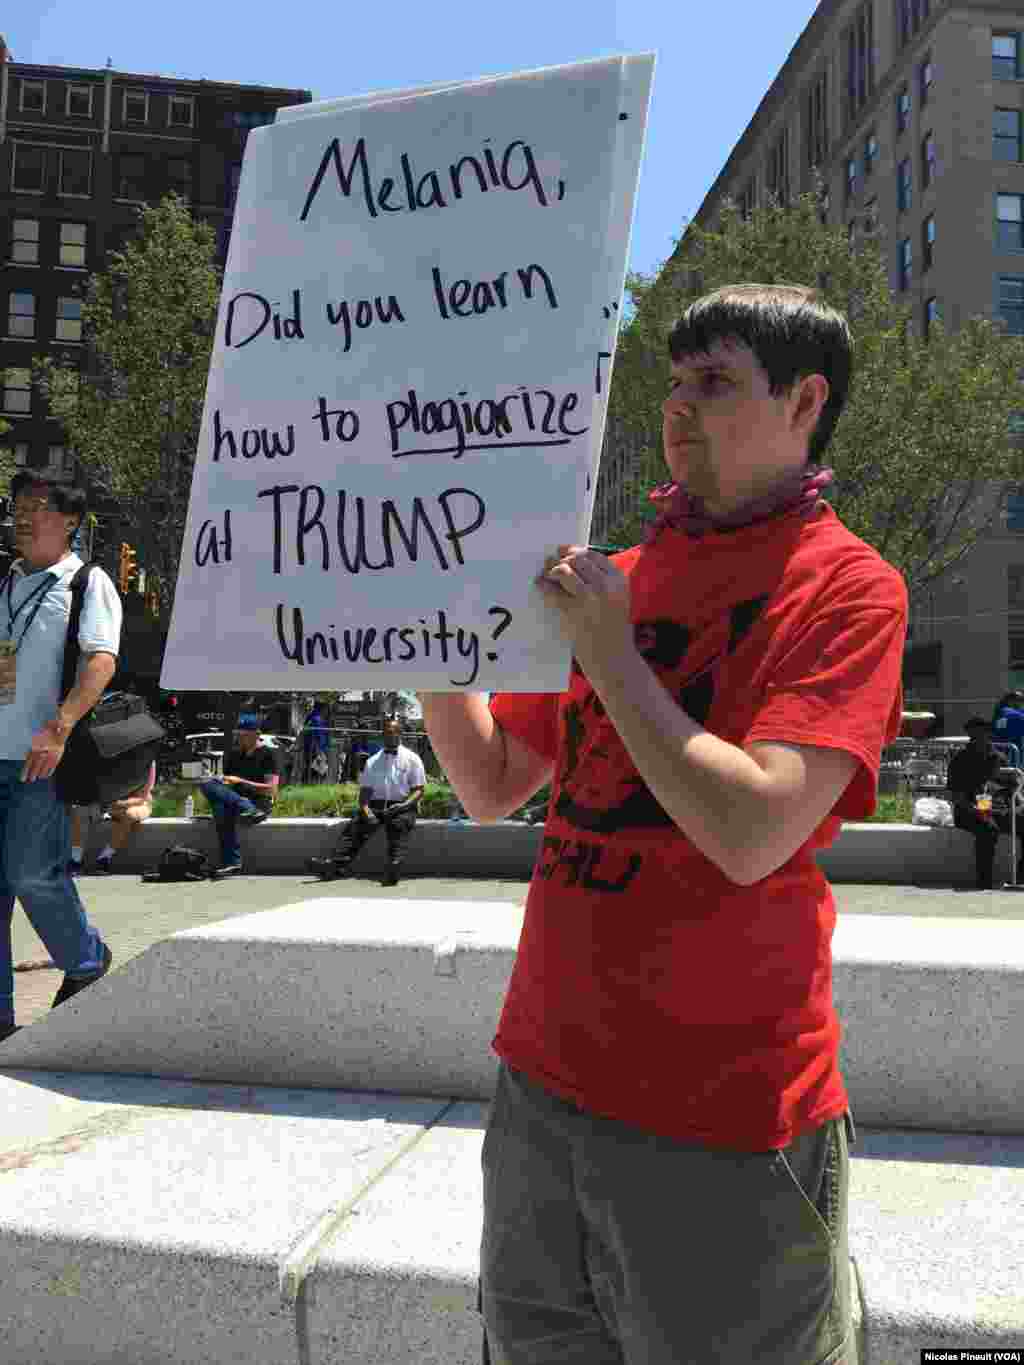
{"x": 132, "y": 914}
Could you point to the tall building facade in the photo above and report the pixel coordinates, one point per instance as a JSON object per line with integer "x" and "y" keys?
{"x": 80, "y": 150}
{"x": 912, "y": 111}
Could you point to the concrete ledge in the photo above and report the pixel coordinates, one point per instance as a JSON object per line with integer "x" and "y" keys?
{"x": 885, "y": 854}
{"x": 279, "y": 847}
{"x": 148, "y": 1220}
{"x": 404, "y": 996}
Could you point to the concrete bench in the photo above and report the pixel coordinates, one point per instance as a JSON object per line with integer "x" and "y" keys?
{"x": 886, "y": 854}
{"x": 335, "y": 1212}
{"x": 404, "y": 996}
{"x": 153, "y": 1220}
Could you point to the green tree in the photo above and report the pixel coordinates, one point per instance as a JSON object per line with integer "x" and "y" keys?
{"x": 133, "y": 415}
{"x": 922, "y": 454}
{"x": 6, "y": 461}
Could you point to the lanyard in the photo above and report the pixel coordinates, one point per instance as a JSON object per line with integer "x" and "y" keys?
{"x": 36, "y": 597}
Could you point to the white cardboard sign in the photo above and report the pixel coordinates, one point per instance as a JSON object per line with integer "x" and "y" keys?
{"x": 406, "y": 397}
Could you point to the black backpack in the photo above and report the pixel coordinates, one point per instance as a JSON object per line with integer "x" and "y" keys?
{"x": 179, "y": 863}
{"x": 109, "y": 753}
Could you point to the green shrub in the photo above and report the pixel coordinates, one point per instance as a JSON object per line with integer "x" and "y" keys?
{"x": 316, "y": 801}
{"x": 319, "y": 801}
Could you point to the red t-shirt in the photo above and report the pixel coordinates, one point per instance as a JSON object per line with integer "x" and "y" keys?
{"x": 648, "y": 987}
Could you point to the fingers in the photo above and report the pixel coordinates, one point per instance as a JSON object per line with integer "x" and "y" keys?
{"x": 39, "y": 765}
{"x": 573, "y": 565}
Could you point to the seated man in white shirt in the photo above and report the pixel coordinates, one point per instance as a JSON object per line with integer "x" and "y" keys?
{"x": 390, "y": 788}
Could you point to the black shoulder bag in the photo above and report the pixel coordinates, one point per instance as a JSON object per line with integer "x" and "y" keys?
{"x": 108, "y": 754}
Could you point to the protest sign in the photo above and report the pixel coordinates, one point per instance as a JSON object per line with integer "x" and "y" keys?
{"x": 406, "y": 396}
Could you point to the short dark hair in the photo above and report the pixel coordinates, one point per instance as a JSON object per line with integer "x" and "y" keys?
{"x": 70, "y": 500}
{"x": 791, "y": 330}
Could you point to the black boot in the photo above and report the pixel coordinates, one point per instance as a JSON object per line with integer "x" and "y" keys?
{"x": 392, "y": 876}
{"x": 327, "y": 869}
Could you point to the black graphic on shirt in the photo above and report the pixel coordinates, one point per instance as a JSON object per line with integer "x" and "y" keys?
{"x": 600, "y": 790}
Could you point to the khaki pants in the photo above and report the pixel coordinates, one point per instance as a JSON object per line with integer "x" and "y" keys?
{"x": 606, "y": 1245}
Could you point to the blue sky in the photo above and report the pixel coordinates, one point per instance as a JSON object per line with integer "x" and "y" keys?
{"x": 715, "y": 61}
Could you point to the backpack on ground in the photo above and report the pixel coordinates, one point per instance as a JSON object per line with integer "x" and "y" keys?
{"x": 179, "y": 863}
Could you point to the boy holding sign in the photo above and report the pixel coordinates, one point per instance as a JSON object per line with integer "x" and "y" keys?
{"x": 666, "y": 1166}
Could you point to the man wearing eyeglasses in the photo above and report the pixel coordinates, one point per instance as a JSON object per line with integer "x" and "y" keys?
{"x": 35, "y": 604}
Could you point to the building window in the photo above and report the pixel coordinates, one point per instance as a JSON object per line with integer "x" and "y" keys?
{"x": 21, "y": 315}
{"x": 928, "y": 242}
{"x": 904, "y": 185}
{"x": 33, "y": 97}
{"x": 778, "y": 169}
{"x": 136, "y": 106}
{"x": 235, "y": 174}
{"x": 906, "y": 263}
{"x": 25, "y": 241}
{"x": 870, "y": 154}
{"x": 61, "y": 464}
{"x": 237, "y": 119}
{"x": 76, "y": 173}
{"x": 1010, "y": 222}
{"x": 1006, "y": 131}
{"x": 932, "y": 313}
{"x": 860, "y": 61}
{"x": 851, "y": 176}
{"x": 928, "y": 160}
{"x": 817, "y": 122}
{"x": 72, "y": 245}
{"x": 20, "y": 453}
{"x": 913, "y": 15}
{"x": 1010, "y": 302}
{"x": 747, "y": 201}
{"x": 1016, "y": 655}
{"x": 69, "y": 320}
{"x": 925, "y": 76}
{"x": 181, "y": 113}
{"x": 903, "y": 106}
{"x": 1006, "y": 56}
{"x": 17, "y": 392}
{"x": 871, "y": 215}
{"x": 131, "y": 177}
{"x": 28, "y": 174}
{"x": 179, "y": 176}
{"x": 79, "y": 101}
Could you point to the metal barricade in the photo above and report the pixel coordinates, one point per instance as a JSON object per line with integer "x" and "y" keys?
{"x": 919, "y": 767}
{"x": 342, "y": 764}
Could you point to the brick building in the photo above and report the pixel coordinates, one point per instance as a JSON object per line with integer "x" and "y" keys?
{"x": 79, "y": 151}
{"x": 913, "y": 112}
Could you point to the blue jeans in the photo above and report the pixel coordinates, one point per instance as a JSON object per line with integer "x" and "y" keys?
{"x": 34, "y": 853}
{"x": 227, "y": 806}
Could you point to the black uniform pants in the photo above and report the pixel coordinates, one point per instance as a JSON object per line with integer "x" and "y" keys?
{"x": 397, "y": 829}
{"x": 985, "y": 840}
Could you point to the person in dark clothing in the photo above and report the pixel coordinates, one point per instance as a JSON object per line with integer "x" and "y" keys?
{"x": 244, "y": 795}
{"x": 969, "y": 770}
{"x": 315, "y": 740}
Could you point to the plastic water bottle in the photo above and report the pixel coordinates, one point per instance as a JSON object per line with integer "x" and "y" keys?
{"x": 190, "y": 807}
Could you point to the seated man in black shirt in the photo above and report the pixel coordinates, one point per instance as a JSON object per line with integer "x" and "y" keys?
{"x": 244, "y": 795}
{"x": 969, "y": 770}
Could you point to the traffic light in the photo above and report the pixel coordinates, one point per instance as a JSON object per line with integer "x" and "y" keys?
{"x": 127, "y": 567}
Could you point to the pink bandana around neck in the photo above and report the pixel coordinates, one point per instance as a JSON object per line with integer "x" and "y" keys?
{"x": 797, "y": 495}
